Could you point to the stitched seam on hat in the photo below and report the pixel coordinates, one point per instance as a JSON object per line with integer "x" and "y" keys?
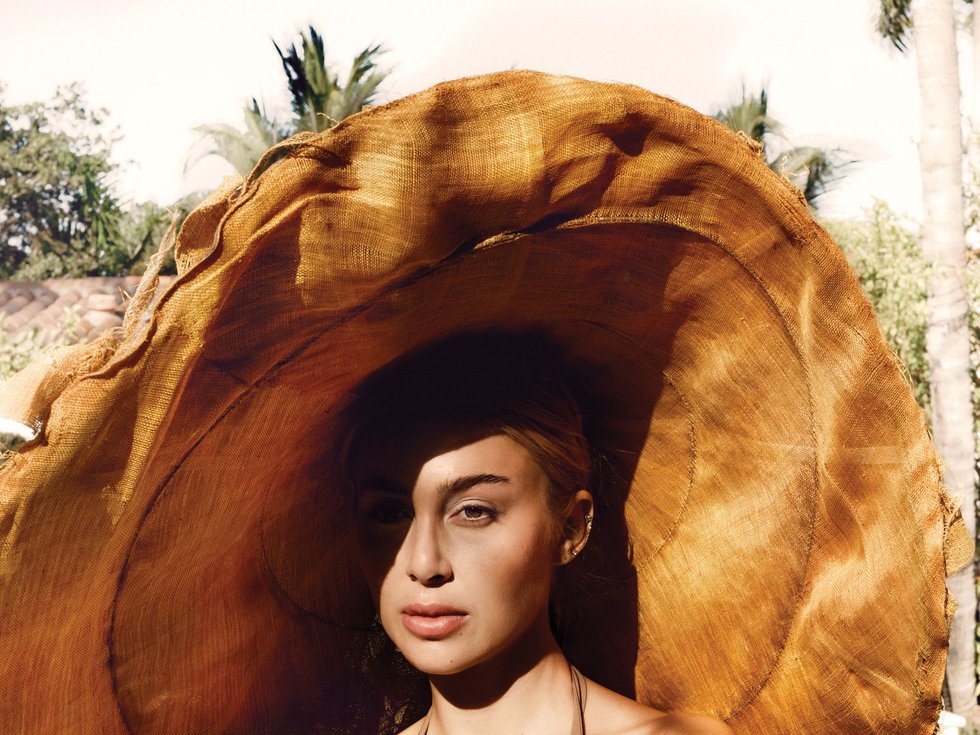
{"x": 805, "y": 578}
{"x": 675, "y": 524}
{"x": 598, "y": 218}
{"x": 164, "y": 484}
{"x": 892, "y": 359}
{"x": 412, "y": 278}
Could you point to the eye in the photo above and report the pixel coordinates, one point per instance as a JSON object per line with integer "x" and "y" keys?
{"x": 389, "y": 511}
{"x": 476, "y": 514}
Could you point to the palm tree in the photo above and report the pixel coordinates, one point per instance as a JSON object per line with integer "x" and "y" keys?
{"x": 812, "y": 170}
{"x": 895, "y": 22}
{"x": 241, "y": 149}
{"x": 318, "y": 100}
{"x": 750, "y": 116}
{"x": 947, "y": 332}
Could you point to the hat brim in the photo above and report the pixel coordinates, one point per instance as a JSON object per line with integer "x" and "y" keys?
{"x": 773, "y": 514}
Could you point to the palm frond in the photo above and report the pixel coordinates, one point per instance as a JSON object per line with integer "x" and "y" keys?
{"x": 363, "y": 80}
{"x": 292, "y": 65}
{"x": 750, "y": 115}
{"x": 895, "y": 22}
{"x": 321, "y": 82}
{"x": 241, "y": 149}
{"x": 812, "y": 170}
{"x": 318, "y": 99}
{"x": 262, "y": 127}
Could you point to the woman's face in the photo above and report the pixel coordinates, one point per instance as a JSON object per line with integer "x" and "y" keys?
{"x": 457, "y": 542}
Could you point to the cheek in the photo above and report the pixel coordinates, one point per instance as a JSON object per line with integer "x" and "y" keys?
{"x": 376, "y": 555}
{"x": 520, "y": 568}
{"x": 386, "y": 599}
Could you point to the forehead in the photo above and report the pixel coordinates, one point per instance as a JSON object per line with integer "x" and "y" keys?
{"x": 438, "y": 453}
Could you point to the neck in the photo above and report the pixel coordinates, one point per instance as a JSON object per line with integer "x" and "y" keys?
{"x": 507, "y": 693}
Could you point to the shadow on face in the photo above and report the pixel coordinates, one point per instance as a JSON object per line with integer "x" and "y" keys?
{"x": 458, "y": 541}
{"x": 386, "y": 440}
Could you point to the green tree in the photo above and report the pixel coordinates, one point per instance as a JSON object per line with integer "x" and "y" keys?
{"x": 56, "y": 195}
{"x": 947, "y": 333}
{"x": 812, "y": 170}
{"x": 318, "y": 101}
{"x": 140, "y": 230}
{"x": 60, "y": 215}
{"x": 242, "y": 149}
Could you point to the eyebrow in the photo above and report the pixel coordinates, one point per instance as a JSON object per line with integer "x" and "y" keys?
{"x": 461, "y": 484}
{"x": 458, "y": 485}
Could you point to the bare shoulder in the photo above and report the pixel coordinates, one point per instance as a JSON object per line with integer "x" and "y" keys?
{"x": 414, "y": 729}
{"x": 609, "y": 713}
{"x": 678, "y": 723}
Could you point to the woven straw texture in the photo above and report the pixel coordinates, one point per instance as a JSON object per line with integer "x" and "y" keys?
{"x": 774, "y": 532}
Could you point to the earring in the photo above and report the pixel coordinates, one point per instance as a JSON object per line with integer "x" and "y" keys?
{"x": 588, "y": 532}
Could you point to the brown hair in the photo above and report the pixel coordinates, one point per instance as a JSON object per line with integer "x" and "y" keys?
{"x": 521, "y": 385}
{"x": 511, "y": 383}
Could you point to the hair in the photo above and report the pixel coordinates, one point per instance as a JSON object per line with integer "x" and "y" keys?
{"x": 514, "y": 384}
{"x": 520, "y": 385}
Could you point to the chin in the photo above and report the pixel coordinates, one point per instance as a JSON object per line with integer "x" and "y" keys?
{"x": 438, "y": 658}
{"x": 438, "y": 668}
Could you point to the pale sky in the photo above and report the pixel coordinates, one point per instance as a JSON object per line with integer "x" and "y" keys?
{"x": 162, "y": 68}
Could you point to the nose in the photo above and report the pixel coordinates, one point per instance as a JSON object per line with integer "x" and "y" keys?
{"x": 427, "y": 561}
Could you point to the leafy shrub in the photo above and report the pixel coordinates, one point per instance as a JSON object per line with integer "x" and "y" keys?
{"x": 886, "y": 255}
{"x": 20, "y": 350}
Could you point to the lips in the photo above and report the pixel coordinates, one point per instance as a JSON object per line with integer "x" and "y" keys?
{"x": 432, "y": 622}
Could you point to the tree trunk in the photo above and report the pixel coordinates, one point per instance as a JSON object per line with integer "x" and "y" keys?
{"x": 975, "y": 82}
{"x": 947, "y": 336}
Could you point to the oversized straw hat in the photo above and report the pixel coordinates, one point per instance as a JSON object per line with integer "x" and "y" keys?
{"x": 775, "y": 535}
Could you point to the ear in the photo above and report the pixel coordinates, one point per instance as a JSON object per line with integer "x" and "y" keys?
{"x": 576, "y": 527}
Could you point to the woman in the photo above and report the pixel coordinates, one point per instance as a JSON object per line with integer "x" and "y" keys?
{"x": 178, "y": 549}
{"x": 470, "y": 472}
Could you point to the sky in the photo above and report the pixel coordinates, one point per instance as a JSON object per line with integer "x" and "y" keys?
{"x": 163, "y": 68}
